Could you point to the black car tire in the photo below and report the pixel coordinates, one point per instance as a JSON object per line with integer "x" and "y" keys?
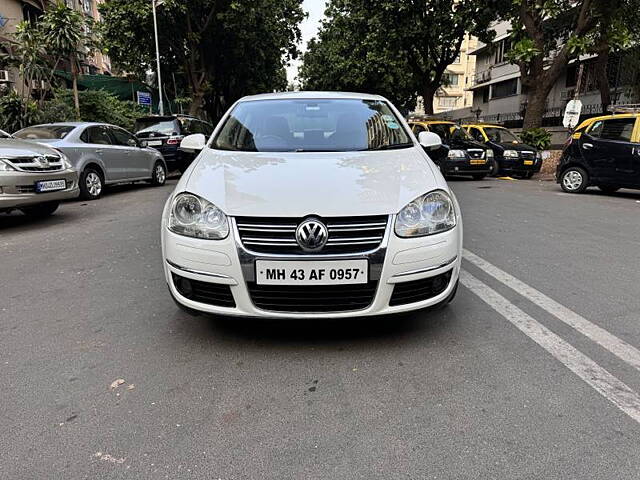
{"x": 42, "y": 210}
{"x": 159, "y": 175}
{"x": 608, "y": 188}
{"x": 495, "y": 168}
{"x": 574, "y": 180}
{"x": 479, "y": 176}
{"x": 91, "y": 184}
{"x": 528, "y": 175}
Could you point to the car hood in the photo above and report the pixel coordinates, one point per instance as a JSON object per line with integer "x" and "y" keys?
{"x": 13, "y": 147}
{"x": 464, "y": 144}
{"x": 300, "y": 184}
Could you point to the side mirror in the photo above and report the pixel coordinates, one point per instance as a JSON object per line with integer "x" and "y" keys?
{"x": 193, "y": 143}
{"x": 430, "y": 140}
{"x": 133, "y": 143}
{"x": 144, "y": 144}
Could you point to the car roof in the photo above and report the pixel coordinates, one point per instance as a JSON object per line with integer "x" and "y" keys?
{"x": 72, "y": 124}
{"x": 312, "y": 95}
{"x": 433, "y": 122}
{"x": 482, "y": 125}
{"x": 589, "y": 121}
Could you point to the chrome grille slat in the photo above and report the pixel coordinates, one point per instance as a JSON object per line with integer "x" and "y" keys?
{"x": 346, "y": 234}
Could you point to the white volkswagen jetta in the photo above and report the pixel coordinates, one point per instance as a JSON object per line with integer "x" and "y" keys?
{"x": 311, "y": 205}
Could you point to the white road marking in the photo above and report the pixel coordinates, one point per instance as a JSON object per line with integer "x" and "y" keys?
{"x": 593, "y": 374}
{"x": 602, "y": 337}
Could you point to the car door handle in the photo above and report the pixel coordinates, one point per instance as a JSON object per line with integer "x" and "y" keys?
{"x": 98, "y": 151}
{"x": 587, "y": 146}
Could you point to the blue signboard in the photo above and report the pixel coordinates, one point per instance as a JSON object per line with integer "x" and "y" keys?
{"x": 3, "y": 21}
{"x": 144, "y": 98}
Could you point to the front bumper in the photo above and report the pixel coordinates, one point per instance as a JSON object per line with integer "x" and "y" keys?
{"x": 17, "y": 189}
{"x": 464, "y": 167}
{"x": 396, "y": 261}
{"x": 516, "y": 165}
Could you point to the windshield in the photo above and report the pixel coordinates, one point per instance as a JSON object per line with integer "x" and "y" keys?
{"x": 312, "y": 126}
{"x": 448, "y": 131}
{"x": 500, "y": 135}
{"x": 44, "y": 132}
{"x": 155, "y": 125}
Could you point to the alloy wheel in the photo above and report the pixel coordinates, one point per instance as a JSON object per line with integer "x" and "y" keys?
{"x": 161, "y": 175}
{"x": 94, "y": 184}
{"x": 572, "y": 180}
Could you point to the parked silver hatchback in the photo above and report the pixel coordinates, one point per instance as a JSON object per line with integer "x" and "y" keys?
{"x": 103, "y": 154}
{"x": 34, "y": 178}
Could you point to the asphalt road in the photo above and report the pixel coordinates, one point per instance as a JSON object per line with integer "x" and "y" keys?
{"x": 532, "y": 372}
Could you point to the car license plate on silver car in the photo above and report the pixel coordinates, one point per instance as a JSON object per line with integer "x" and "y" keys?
{"x": 50, "y": 186}
{"x": 330, "y": 272}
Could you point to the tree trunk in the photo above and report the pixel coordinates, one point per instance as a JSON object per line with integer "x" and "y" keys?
{"x": 428, "y": 94}
{"x": 602, "y": 77}
{"x": 536, "y": 104}
{"x": 74, "y": 82}
{"x": 196, "y": 102}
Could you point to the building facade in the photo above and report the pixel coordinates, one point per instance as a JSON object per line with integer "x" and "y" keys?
{"x": 12, "y": 12}
{"x": 458, "y": 79}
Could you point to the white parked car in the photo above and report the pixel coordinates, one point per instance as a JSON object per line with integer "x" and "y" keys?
{"x": 312, "y": 205}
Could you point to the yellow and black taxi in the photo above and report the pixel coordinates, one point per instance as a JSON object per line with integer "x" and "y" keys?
{"x": 510, "y": 155}
{"x": 603, "y": 152}
{"x": 459, "y": 154}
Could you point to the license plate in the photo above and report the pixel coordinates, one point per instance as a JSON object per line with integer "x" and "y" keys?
{"x": 338, "y": 272}
{"x": 155, "y": 143}
{"x": 50, "y": 186}
{"x": 477, "y": 162}
{"x": 528, "y": 162}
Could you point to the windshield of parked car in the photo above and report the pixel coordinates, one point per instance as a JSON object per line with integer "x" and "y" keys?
{"x": 500, "y": 135}
{"x": 323, "y": 125}
{"x": 146, "y": 126}
{"x": 44, "y": 132}
{"x": 448, "y": 132}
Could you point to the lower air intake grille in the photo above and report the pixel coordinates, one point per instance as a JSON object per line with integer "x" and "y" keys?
{"x": 312, "y": 299}
{"x": 419, "y": 290}
{"x": 204, "y": 292}
{"x": 278, "y": 235}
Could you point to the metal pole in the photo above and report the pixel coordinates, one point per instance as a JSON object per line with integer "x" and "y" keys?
{"x": 155, "y": 30}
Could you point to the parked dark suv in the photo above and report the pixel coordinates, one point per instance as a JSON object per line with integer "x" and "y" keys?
{"x": 603, "y": 152}
{"x": 165, "y": 134}
{"x": 459, "y": 154}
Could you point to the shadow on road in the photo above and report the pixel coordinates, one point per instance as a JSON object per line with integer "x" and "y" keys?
{"x": 286, "y": 332}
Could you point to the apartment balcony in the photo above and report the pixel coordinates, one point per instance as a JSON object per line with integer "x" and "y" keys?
{"x": 482, "y": 77}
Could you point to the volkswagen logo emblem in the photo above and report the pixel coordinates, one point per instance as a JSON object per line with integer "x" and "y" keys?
{"x": 312, "y": 235}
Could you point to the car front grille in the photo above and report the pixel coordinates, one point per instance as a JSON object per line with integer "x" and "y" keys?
{"x": 475, "y": 153}
{"x": 528, "y": 155}
{"x": 26, "y": 188}
{"x": 32, "y": 164}
{"x": 204, "y": 292}
{"x": 419, "y": 290}
{"x": 312, "y": 299}
{"x": 347, "y": 235}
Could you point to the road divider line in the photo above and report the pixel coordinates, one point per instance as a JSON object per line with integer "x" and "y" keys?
{"x": 589, "y": 371}
{"x": 599, "y": 335}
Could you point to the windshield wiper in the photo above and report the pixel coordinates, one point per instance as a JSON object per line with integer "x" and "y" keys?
{"x": 395, "y": 146}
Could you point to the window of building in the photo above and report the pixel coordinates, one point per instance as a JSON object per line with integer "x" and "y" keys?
{"x": 485, "y": 95}
{"x": 457, "y": 60}
{"x": 501, "y": 49}
{"x": 447, "y": 102}
{"x": 504, "y": 89}
{"x": 451, "y": 79}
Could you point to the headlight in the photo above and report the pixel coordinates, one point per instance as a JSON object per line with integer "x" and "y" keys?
{"x": 457, "y": 154}
{"x": 539, "y": 155}
{"x": 427, "y": 215}
{"x": 489, "y": 154}
{"x": 511, "y": 153}
{"x": 193, "y": 216}
{"x": 6, "y": 167}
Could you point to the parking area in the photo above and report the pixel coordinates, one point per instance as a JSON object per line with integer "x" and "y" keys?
{"x": 532, "y": 372}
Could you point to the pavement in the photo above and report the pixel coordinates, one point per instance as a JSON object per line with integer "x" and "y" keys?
{"x": 532, "y": 372}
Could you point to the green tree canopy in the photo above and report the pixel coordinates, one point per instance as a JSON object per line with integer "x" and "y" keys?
{"x": 218, "y": 50}
{"x": 397, "y": 48}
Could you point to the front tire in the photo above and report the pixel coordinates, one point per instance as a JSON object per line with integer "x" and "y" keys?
{"x": 42, "y": 210}
{"x": 91, "y": 184}
{"x": 159, "y": 175}
{"x": 574, "y": 180}
{"x": 495, "y": 168}
{"x": 528, "y": 175}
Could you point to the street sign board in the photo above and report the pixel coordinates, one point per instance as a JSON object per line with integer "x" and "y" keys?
{"x": 144, "y": 98}
{"x": 572, "y": 114}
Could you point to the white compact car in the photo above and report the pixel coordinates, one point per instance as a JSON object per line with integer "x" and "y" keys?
{"x": 312, "y": 205}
